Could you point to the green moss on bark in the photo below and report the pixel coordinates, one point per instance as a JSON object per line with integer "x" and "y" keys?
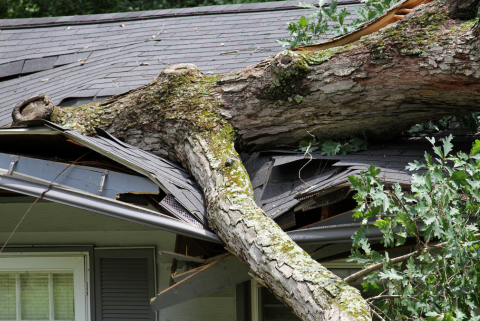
{"x": 410, "y": 36}
{"x": 185, "y": 98}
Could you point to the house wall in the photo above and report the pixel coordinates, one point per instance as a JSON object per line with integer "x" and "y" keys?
{"x": 62, "y": 225}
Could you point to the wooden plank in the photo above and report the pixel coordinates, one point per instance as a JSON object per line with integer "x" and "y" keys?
{"x": 182, "y": 257}
{"x": 222, "y": 273}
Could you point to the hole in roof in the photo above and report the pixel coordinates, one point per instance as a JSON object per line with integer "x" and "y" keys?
{"x": 76, "y": 101}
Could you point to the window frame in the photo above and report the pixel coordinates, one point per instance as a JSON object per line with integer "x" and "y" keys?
{"x": 82, "y": 273}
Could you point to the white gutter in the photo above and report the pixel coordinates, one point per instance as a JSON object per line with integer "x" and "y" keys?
{"x": 106, "y": 206}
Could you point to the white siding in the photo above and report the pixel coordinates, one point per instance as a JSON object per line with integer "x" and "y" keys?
{"x": 64, "y": 225}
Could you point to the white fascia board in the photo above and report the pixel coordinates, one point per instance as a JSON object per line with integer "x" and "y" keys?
{"x": 39, "y": 130}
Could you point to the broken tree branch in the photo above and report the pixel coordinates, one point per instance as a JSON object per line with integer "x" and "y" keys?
{"x": 402, "y": 258}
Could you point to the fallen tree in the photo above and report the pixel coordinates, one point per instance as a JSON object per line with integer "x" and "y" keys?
{"x": 424, "y": 67}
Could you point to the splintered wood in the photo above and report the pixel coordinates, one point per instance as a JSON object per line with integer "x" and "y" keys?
{"x": 396, "y": 13}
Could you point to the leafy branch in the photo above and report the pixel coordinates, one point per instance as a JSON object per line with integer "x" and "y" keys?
{"x": 329, "y": 147}
{"x": 469, "y": 121}
{"x": 330, "y": 19}
{"x": 435, "y": 282}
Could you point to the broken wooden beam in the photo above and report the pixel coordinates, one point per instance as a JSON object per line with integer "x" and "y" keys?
{"x": 222, "y": 273}
{"x": 182, "y": 257}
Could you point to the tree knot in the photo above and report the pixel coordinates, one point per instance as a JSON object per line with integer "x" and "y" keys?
{"x": 289, "y": 60}
{"x": 287, "y": 80}
{"x": 181, "y": 69}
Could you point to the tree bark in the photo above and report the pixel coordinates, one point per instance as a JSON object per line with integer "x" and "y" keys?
{"x": 423, "y": 67}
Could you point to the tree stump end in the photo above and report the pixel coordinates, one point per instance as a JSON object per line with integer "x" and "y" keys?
{"x": 38, "y": 107}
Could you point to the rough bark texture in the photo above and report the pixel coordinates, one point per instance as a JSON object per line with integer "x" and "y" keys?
{"x": 425, "y": 66}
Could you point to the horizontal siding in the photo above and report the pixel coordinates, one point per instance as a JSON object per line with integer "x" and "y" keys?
{"x": 55, "y": 224}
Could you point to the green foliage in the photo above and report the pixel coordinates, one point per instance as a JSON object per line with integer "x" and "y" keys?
{"x": 328, "y": 18}
{"x": 442, "y": 208}
{"x": 470, "y": 121}
{"x": 12, "y": 9}
{"x": 329, "y": 147}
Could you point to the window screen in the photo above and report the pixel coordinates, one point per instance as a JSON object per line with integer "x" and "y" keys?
{"x": 37, "y": 296}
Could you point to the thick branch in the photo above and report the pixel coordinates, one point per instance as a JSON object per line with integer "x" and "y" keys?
{"x": 378, "y": 266}
{"x": 426, "y": 66}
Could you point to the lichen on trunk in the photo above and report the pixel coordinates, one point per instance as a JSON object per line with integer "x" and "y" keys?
{"x": 183, "y": 105}
{"x": 313, "y": 292}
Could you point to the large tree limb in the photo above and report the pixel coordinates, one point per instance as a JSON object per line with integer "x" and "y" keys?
{"x": 423, "y": 67}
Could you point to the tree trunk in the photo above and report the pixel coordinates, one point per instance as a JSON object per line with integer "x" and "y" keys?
{"x": 423, "y": 67}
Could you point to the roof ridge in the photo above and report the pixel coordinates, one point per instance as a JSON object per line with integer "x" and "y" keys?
{"x": 155, "y": 14}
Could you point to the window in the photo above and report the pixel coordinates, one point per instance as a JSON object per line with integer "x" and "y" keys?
{"x": 42, "y": 288}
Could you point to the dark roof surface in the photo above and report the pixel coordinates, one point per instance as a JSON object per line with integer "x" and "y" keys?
{"x": 283, "y": 179}
{"x": 74, "y": 59}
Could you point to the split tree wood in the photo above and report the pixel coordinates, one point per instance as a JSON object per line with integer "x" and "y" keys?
{"x": 424, "y": 66}
{"x": 395, "y": 13}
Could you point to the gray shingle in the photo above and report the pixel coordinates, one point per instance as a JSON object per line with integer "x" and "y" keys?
{"x": 27, "y": 35}
{"x": 112, "y": 91}
{"x": 9, "y": 43}
{"x": 4, "y": 36}
{"x": 67, "y": 59}
{"x": 38, "y": 64}
{"x": 13, "y": 68}
{"x": 18, "y": 55}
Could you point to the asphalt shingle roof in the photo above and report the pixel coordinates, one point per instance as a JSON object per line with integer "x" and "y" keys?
{"x": 283, "y": 179}
{"x": 103, "y": 55}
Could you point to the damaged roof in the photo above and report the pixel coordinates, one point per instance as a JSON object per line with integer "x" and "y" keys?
{"x": 83, "y": 58}
{"x": 89, "y": 187}
{"x": 287, "y": 180}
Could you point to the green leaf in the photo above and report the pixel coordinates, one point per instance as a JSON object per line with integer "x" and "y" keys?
{"x": 370, "y": 287}
{"x": 373, "y": 171}
{"x": 330, "y": 148}
{"x": 306, "y": 5}
{"x": 447, "y": 145}
{"x": 416, "y": 165}
{"x": 302, "y": 22}
{"x": 475, "y": 148}
{"x": 358, "y": 237}
{"x": 355, "y": 182}
{"x": 458, "y": 177}
{"x": 428, "y": 182}
{"x": 390, "y": 274}
{"x": 403, "y": 219}
{"x": 307, "y": 144}
{"x": 342, "y": 15}
{"x": 416, "y": 128}
{"x": 358, "y": 144}
{"x": 428, "y": 158}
